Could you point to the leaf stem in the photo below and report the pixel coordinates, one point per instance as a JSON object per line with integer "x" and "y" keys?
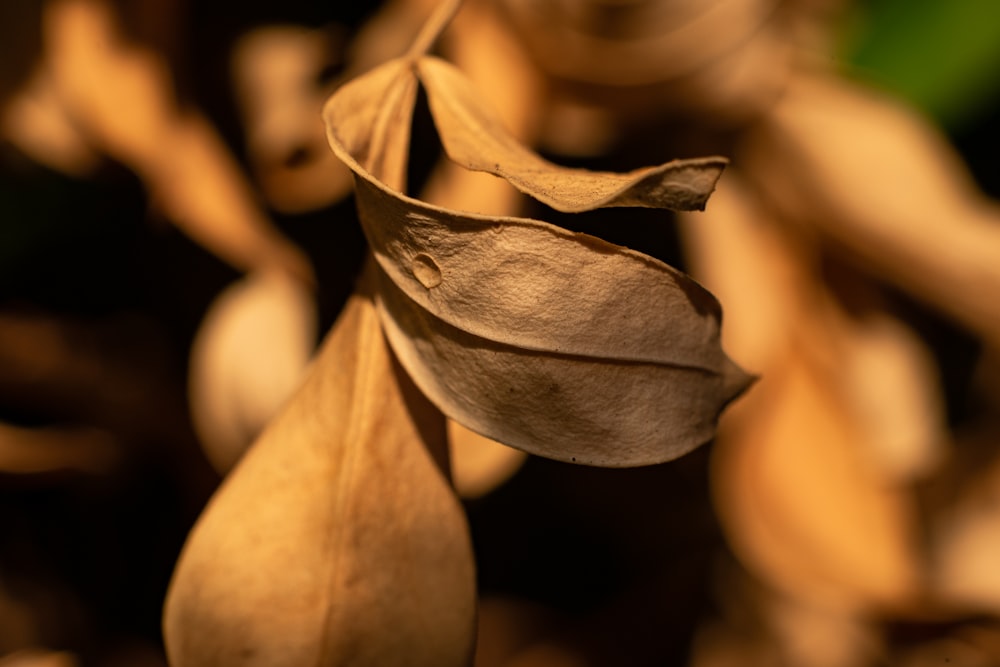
{"x": 433, "y": 28}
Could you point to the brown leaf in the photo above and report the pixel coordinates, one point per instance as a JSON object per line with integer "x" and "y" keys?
{"x": 878, "y": 181}
{"x": 336, "y": 539}
{"x": 802, "y": 505}
{"x": 474, "y": 138}
{"x": 479, "y": 465}
{"x": 806, "y": 502}
{"x": 554, "y": 342}
{"x": 249, "y": 355}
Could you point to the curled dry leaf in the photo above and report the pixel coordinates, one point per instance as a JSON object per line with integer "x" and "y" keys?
{"x": 550, "y": 341}
{"x": 475, "y": 139}
{"x": 337, "y": 538}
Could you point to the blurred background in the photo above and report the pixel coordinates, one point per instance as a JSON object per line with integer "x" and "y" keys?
{"x": 175, "y": 236}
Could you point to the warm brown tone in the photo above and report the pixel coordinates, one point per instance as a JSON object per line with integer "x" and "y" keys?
{"x": 336, "y": 539}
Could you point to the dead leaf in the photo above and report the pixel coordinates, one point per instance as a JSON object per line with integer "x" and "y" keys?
{"x": 249, "y": 355}
{"x": 337, "y": 538}
{"x": 635, "y": 43}
{"x": 805, "y": 502}
{"x": 802, "y": 505}
{"x": 475, "y": 139}
{"x": 879, "y": 182}
{"x": 720, "y": 62}
{"x": 479, "y": 465}
{"x": 553, "y": 342}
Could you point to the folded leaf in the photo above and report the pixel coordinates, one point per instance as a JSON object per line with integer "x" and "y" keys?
{"x": 591, "y": 410}
{"x": 474, "y": 138}
{"x": 550, "y": 341}
{"x": 373, "y": 118}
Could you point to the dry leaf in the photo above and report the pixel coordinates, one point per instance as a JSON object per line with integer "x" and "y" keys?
{"x": 753, "y": 266}
{"x": 894, "y": 390}
{"x": 802, "y": 502}
{"x": 479, "y": 465}
{"x": 721, "y": 61}
{"x": 475, "y": 139}
{"x": 557, "y": 343}
{"x": 250, "y": 354}
{"x": 636, "y": 43}
{"x": 274, "y": 70}
{"x": 878, "y": 181}
{"x": 802, "y": 505}
{"x": 336, "y": 539}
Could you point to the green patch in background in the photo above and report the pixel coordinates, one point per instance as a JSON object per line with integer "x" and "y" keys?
{"x": 941, "y": 55}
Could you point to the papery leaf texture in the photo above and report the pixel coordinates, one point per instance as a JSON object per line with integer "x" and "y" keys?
{"x": 550, "y": 341}
{"x": 337, "y": 539}
{"x": 476, "y": 140}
